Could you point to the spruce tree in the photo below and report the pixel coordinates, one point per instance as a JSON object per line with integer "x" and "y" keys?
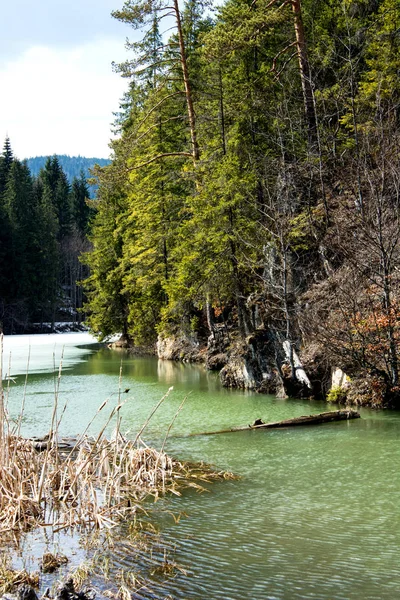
{"x": 20, "y": 209}
{"x": 107, "y": 306}
{"x": 6, "y": 160}
{"x": 81, "y": 209}
{"x": 48, "y": 265}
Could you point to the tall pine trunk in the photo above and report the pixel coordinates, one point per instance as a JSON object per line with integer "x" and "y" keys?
{"x": 186, "y": 81}
{"x": 305, "y": 74}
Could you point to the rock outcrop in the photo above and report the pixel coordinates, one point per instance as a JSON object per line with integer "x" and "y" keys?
{"x": 250, "y": 364}
{"x": 339, "y": 378}
{"x": 181, "y": 347}
{"x": 122, "y": 344}
{"x": 217, "y": 355}
{"x": 257, "y": 362}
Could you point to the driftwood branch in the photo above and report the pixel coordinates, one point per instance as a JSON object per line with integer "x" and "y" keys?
{"x": 326, "y": 417}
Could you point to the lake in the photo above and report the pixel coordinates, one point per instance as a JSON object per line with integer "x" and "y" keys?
{"x": 314, "y": 514}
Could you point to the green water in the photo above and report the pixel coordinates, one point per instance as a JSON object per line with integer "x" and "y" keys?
{"x": 315, "y": 514}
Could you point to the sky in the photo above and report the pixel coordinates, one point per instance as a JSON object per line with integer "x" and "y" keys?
{"x": 58, "y": 91}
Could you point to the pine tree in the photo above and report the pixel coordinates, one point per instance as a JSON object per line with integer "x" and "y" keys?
{"x": 161, "y": 60}
{"x": 48, "y": 263}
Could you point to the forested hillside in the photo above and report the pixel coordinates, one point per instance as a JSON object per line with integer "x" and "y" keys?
{"x": 73, "y": 166}
{"x": 254, "y": 193}
{"x": 44, "y": 222}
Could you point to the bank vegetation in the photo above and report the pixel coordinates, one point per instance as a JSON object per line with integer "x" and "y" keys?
{"x": 252, "y": 204}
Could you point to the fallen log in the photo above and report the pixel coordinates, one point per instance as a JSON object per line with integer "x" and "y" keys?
{"x": 42, "y": 446}
{"x": 44, "y": 443}
{"x": 325, "y": 417}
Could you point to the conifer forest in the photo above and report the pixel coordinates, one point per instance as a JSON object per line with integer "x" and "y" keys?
{"x": 44, "y": 222}
{"x": 251, "y": 211}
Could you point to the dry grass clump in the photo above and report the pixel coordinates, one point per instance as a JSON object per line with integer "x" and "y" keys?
{"x": 11, "y": 578}
{"x": 51, "y": 562}
{"x": 127, "y": 583}
{"x": 19, "y": 495}
{"x": 93, "y": 483}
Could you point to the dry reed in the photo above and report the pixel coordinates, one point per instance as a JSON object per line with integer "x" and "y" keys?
{"x": 93, "y": 485}
{"x": 11, "y": 578}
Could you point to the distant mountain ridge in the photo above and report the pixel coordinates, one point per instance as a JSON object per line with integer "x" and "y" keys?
{"x": 71, "y": 165}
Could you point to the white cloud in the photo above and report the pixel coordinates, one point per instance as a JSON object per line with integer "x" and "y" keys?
{"x": 61, "y": 101}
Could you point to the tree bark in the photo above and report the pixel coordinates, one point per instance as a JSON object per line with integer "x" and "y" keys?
{"x": 209, "y": 314}
{"x": 305, "y": 74}
{"x": 297, "y": 368}
{"x": 188, "y": 90}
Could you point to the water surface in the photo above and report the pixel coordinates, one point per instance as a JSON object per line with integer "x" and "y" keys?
{"x": 314, "y": 514}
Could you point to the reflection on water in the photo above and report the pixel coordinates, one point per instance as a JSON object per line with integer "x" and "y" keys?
{"x": 44, "y": 352}
{"x": 314, "y": 515}
{"x": 172, "y": 372}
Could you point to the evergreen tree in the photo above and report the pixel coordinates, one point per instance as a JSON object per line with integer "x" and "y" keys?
{"x": 107, "y": 307}
{"x": 6, "y": 160}
{"x": 62, "y": 204}
{"x": 54, "y": 177}
{"x": 81, "y": 209}
{"x": 22, "y": 217}
{"x": 48, "y": 263}
{"x": 163, "y": 59}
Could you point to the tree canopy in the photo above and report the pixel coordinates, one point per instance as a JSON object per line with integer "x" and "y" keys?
{"x": 44, "y": 221}
{"x": 257, "y": 168}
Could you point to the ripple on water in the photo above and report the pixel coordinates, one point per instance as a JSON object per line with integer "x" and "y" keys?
{"x": 314, "y": 515}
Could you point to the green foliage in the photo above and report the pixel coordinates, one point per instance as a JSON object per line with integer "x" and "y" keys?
{"x": 256, "y": 219}
{"x": 73, "y": 167}
{"x": 305, "y": 228}
{"x": 380, "y": 86}
{"x": 23, "y": 218}
{"x": 82, "y": 212}
{"x": 55, "y": 183}
{"x": 43, "y": 226}
{"x": 106, "y": 305}
{"x": 337, "y": 395}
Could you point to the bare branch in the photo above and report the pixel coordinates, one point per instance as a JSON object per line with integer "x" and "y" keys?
{"x": 158, "y": 157}
{"x": 179, "y": 118}
{"x": 178, "y": 93}
{"x": 273, "y": 68}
